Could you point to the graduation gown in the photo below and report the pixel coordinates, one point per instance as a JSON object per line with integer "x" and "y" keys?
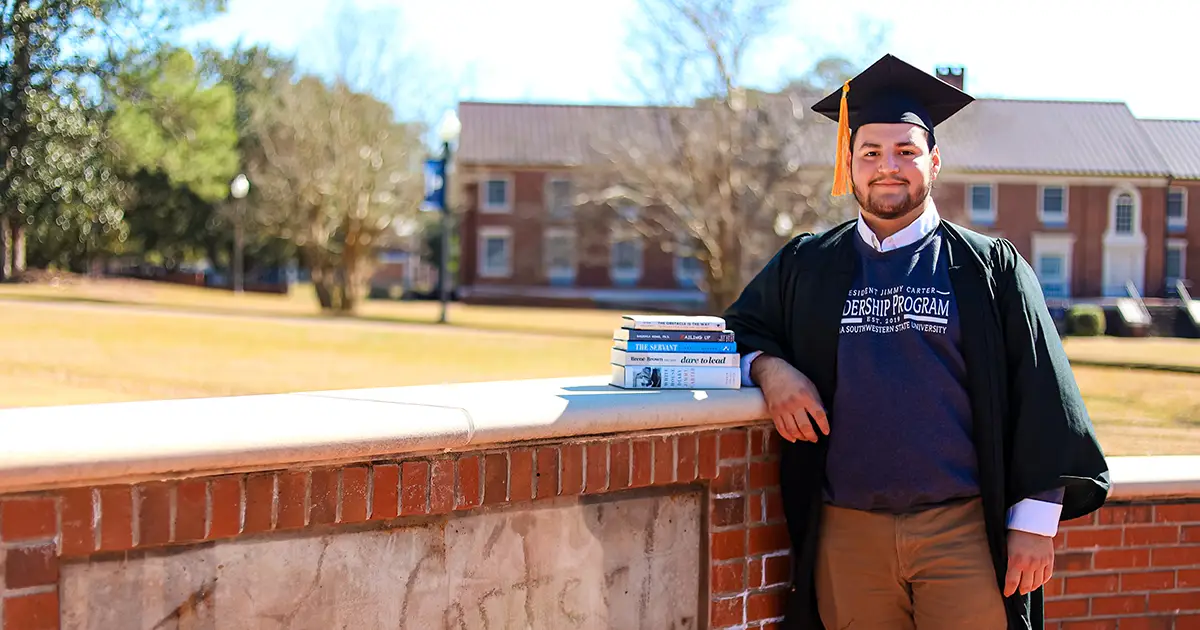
{"x": 1030, "y": 429}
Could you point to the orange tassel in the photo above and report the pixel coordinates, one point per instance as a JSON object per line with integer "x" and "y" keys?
{"x": 841, "y": 168}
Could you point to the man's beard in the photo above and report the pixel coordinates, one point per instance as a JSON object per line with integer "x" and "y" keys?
{"x": 893, "y": 208}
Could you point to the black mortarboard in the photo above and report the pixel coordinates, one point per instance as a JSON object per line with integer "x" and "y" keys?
{"x": 890, "y": 91}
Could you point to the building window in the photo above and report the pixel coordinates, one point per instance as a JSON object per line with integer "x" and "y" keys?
{"x": 1054, "y": 205}
{"x": 1177, "y": 209}
{"x": 495, "y": 252}
{"x": 1052, "y": 263}
{"x": 981, "y": 203}
{"x": 625, "y": 265}
{"x": 689, "y": 270}
{"x": 497, "y": 194}
{"x": 1123, "y": 221}
{"x": 1176, "y": 263}
{"x": 560, "y": 256}
{"x": 558, "y": 198}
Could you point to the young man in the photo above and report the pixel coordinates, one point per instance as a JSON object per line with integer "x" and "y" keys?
{"x": 934, "y": 435}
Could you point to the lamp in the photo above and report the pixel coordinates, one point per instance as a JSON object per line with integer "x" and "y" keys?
{"x": 448, "y": 131}
{"x": 238, "y": 189}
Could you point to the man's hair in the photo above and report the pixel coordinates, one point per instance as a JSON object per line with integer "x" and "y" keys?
{"x": 929, "y": 142}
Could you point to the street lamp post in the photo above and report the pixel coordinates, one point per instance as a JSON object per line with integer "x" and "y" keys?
{"x": 238, "y": 189}
{"x": 447, "y": 132}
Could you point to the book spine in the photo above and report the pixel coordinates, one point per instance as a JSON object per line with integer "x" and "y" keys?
{"x": 629, "y": 334}
{"x": 715, "y": 324}
{"x": 681, "y": 377}
{"x": 621, "y": 357}
{"x": 696, "y": 347}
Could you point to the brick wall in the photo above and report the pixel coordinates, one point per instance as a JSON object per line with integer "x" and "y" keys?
{"x": 747, "y": 543}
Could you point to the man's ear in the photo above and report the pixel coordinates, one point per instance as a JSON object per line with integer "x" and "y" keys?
{"x": 935, "y": 158}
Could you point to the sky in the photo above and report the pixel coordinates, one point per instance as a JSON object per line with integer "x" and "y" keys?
{"x": 575, "y": 51}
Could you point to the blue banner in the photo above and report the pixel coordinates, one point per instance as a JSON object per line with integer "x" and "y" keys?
{"x": 435, "y": 186}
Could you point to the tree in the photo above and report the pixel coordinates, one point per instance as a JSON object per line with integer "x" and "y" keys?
{"x": 59, "y": 51}
{"x": 722, "y": 172}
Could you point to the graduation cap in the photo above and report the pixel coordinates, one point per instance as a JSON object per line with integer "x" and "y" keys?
{"x": 890, "y": 91}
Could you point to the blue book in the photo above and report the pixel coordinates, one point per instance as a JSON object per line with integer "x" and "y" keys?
{"x": 676, "y": 346}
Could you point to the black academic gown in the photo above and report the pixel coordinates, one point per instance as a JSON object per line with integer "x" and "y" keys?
{"x": 1031, "y": 430}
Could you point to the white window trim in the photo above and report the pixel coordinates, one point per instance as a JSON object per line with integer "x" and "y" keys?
{"x": 1181, "y": 222}
{"x": 626, "y": 275}
{"x": 509, "y": 192}
{"x": 559, "y": 273}
{"x": 990, "y": 217}
{"x": 1179, "y": 244}
{"x": 548, "y": 198}
{"x": 494, "y": 231}
{"x": 1063, "y": 244}
{"x": 1138, "y": 237}
{"x": 1066, "y": 201}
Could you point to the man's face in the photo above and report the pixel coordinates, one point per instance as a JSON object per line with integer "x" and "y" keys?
{"x": 892, "y": 169}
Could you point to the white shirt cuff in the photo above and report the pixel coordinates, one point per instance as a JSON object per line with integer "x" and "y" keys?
{"x": 746, "y": 361}
{"x": 1035, "y": 517}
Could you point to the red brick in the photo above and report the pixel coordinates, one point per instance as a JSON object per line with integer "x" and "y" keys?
{"x": 1054, "y": 587}
{"x": 761, "y": 606}
{"x": 764, "y": 475}
{"x": 1066, "y": 608}
{"x": 1138, "y": 535}
{"x": 293, "y": 499}
{"x": 774, "y": 506}
{"x": 707, "y": 457}
{"x": 758, "y": 442}
{"x": 153, "y": 513}
{"x": 32, "y": 612}
{"x": 728, "y": 545}
{"x": 1147, "y": 623}
{"x": 597, "y": 467}
{"x": 441, "y": 486}
{"x": 1060, "y": 540}
{"x": 1187, "y": 578}
{"x": 1175, "y": 556}
{"x": 768, "y": 538}
{"x": 28, "y": 519}
{"x": 354, "y": 494}
{"x": 1148, "y": 581}
{"x": 620, "y": 458}
{"x": 1090, "y": 538}
{"x": 78, "y": 538}
{"x": 756, "y": 514}
{"x": 774, "y": 442}
{"x": 495, "y": 478}
{"x": 116, "y": 518}
{"x": 732, "y": 478}
{"x": 1092, "y": 584}
{"x": 754, "y": 578}
{"x": 385, "y": 491}
{"x": 226, "y": 517}
{"x": 664, "y": 460}
{"x": 468, "y": 491}
{"x": 777, "y": 570}
{"x": 733, "y": 443}
{"x": 728, "y": 578}
{"x": 521, "y": 478}
{"x": 1186, "y": 622}
{"x": 1097, "y": 624}
{"x": 1123, "y": 514}
{"x": 414, "y": 487}
{"x": 1190, "y": 533}
{"x": 1119, "y": 605}
{"x": 1177, "y": 513}
{"x": 685, "y": 469}
{"x": 260, "y": 503}
{"x": 728, "y": 612}
{"x": 1121, "y": 558}
{"x": 323, "y": 502}
{"x": 191, "y": 510}
{"x": 1175, "y": 602}
{"x": 643, "y": 463}
{"x": 1086, "y": 520}
{"x": 547, "y": 472}
{"x": 572, "y": 469}
{"x": 26, "y": 567}
{"x": 728, "y": 511}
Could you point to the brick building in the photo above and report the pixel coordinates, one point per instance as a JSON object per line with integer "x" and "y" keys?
{"x": 1096, "y": 200}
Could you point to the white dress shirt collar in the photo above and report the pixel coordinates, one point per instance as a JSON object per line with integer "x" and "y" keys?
{"x": 915, "y": 231}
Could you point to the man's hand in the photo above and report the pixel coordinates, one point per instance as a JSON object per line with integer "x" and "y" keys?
{"x": 791, "y": 398}
{"x": 1030, "y": 562}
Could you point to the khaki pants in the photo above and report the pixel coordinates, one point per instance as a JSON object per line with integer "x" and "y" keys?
{"x": 925, "y": 571}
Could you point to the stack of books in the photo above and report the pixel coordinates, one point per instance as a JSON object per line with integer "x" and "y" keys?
{"x": 675, "y": 352}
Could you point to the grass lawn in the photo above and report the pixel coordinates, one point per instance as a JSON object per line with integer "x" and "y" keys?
{"x": 70, "y": 353}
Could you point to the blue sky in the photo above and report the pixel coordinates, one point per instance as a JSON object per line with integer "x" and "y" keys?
{"x": 574, "y": 51}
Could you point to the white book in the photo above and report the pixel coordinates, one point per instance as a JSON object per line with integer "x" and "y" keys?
{"x": 673, "y": 322}
{"x": 676, "y": 377}
{"x": 698, "y": 359}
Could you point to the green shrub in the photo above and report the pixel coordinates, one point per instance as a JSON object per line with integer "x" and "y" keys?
{"x": 1085, "y": 320}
